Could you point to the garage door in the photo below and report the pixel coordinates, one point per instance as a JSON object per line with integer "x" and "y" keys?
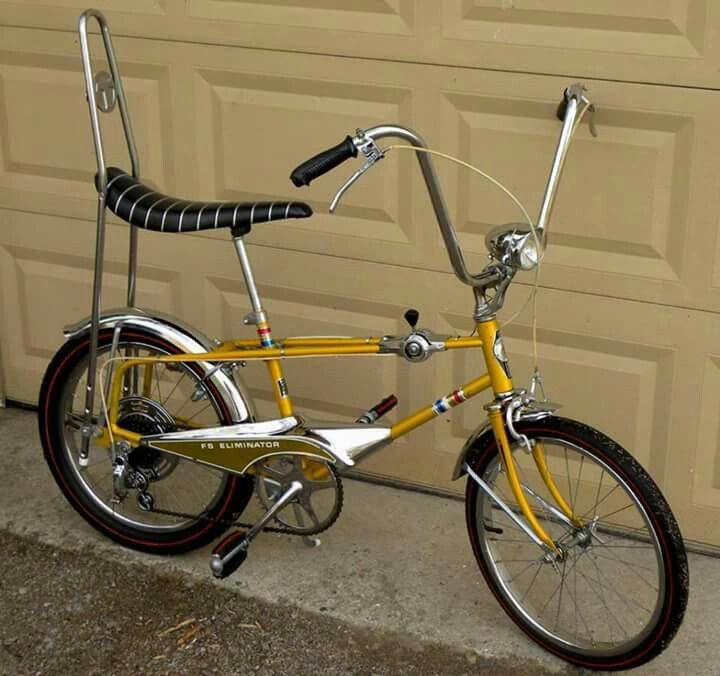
{"x": 227, "y": 96}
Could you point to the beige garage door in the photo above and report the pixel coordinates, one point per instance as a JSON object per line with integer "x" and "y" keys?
{"x": 227, "y": 96}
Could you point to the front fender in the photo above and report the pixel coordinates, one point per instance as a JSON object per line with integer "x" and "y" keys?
{"x": 470, "y": 444}
{"x": 186, "y": 339}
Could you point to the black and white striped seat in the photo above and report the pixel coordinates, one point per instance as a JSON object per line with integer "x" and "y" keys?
{"x": 139, "y": 205}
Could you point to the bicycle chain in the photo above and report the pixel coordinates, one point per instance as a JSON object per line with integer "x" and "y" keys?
{"x": 224, "y": 522}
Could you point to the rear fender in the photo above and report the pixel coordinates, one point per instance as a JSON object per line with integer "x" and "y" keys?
{"x": 186, "y": 339}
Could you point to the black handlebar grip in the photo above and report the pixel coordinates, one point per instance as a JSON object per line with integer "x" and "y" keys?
{"x": 562, "y": 108}
{"x": 323, "y": 162}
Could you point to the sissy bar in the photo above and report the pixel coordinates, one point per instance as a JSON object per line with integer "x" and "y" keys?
{"x": 103, "y": 92}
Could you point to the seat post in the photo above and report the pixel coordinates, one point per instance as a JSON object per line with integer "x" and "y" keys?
{"x": 259, "y": 318}
{"x": 255, "y": 301}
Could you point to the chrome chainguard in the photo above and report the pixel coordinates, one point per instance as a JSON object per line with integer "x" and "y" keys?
{"x": 343, "y": 444}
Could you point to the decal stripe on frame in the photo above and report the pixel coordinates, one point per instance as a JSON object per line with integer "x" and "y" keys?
{"x": 446, "y": 403}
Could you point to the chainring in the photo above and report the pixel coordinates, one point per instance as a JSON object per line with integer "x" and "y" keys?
{"x": 275, "y": 474}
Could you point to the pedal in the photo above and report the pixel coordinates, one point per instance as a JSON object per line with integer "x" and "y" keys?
{"x": 379, "y": 410}
{"x": 229, "y": 554}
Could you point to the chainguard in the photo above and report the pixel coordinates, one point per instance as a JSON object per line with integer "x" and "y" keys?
{"x": 238, "y": 447}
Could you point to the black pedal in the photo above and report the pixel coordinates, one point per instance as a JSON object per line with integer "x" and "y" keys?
{"x": 229, "y": 554}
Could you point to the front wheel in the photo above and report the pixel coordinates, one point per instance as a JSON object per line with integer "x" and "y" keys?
{"x": 617, "y": 596}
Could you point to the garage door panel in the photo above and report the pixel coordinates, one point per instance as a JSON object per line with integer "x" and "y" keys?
{"x": 46, "y": 271}
{"x": 674, "y": 28}
{"x": 648, "y": 41}
{"x": 46, "y": 155}
{"x": 628, "y": 211}
{"x": 253, "y": 129}
{"x": 695, "y": 458}
{"x": 655, "y": 41}
{"x": 392, "y": 17}
{"x": 641, "y": 159}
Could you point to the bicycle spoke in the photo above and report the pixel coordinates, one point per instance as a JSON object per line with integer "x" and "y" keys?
{"x": 562, "y": 586}
{"x": 603, "y": 600}
{"x": 172, "y": 391}
{"x": 577, "y": 481}
{"x": 622, "y": 597}
{"x": 632, "y": 567}
{"x": 597, "y": 495}
{"x": 532, "y": 582}
{"x": 195, "y": 415}
{"x": 567, "y": 471}
{"x": 610, "y": 492}
{"x": 616, "y": 511}
{"x": 579, "y": 612}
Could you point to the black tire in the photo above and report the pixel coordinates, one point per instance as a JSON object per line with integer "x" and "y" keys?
{"x": 234, "y": 494}
{"x": 668, "y": 547}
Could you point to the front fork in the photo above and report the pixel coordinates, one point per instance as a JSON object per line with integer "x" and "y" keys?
{"x": 530, "y": 525}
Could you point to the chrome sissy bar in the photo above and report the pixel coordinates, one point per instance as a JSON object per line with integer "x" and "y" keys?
{"x": 102, "y": 91}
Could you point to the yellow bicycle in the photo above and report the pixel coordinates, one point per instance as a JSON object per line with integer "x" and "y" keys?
{"x": 151, "y": 436}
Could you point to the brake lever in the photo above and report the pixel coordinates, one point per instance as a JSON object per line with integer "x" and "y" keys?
{"x": 372, "y": 153}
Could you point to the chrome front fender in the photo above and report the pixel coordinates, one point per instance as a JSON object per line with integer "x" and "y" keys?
{"x": 186, "y": 339}
{"x": 459, "y": 470}
{"x": 538, "y": 411}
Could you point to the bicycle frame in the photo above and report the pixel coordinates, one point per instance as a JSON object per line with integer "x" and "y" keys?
{"x": 496, "y": 378}
{"x": 341, "y": 444}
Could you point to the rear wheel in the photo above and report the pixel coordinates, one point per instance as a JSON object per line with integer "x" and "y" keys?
{"x": 162, "y": 503}
{"x": 617, "y": 596}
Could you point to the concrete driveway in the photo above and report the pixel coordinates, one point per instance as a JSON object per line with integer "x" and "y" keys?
{"x": 396, "y": 562}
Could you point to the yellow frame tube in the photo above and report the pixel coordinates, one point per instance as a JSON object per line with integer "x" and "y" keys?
{"x": 147, "y": 379}
{"x": 489, "y": 333}
{"x": 541, "y": 464}
{"x": 440, "y": 406}
{"x": 498, "y": 426}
